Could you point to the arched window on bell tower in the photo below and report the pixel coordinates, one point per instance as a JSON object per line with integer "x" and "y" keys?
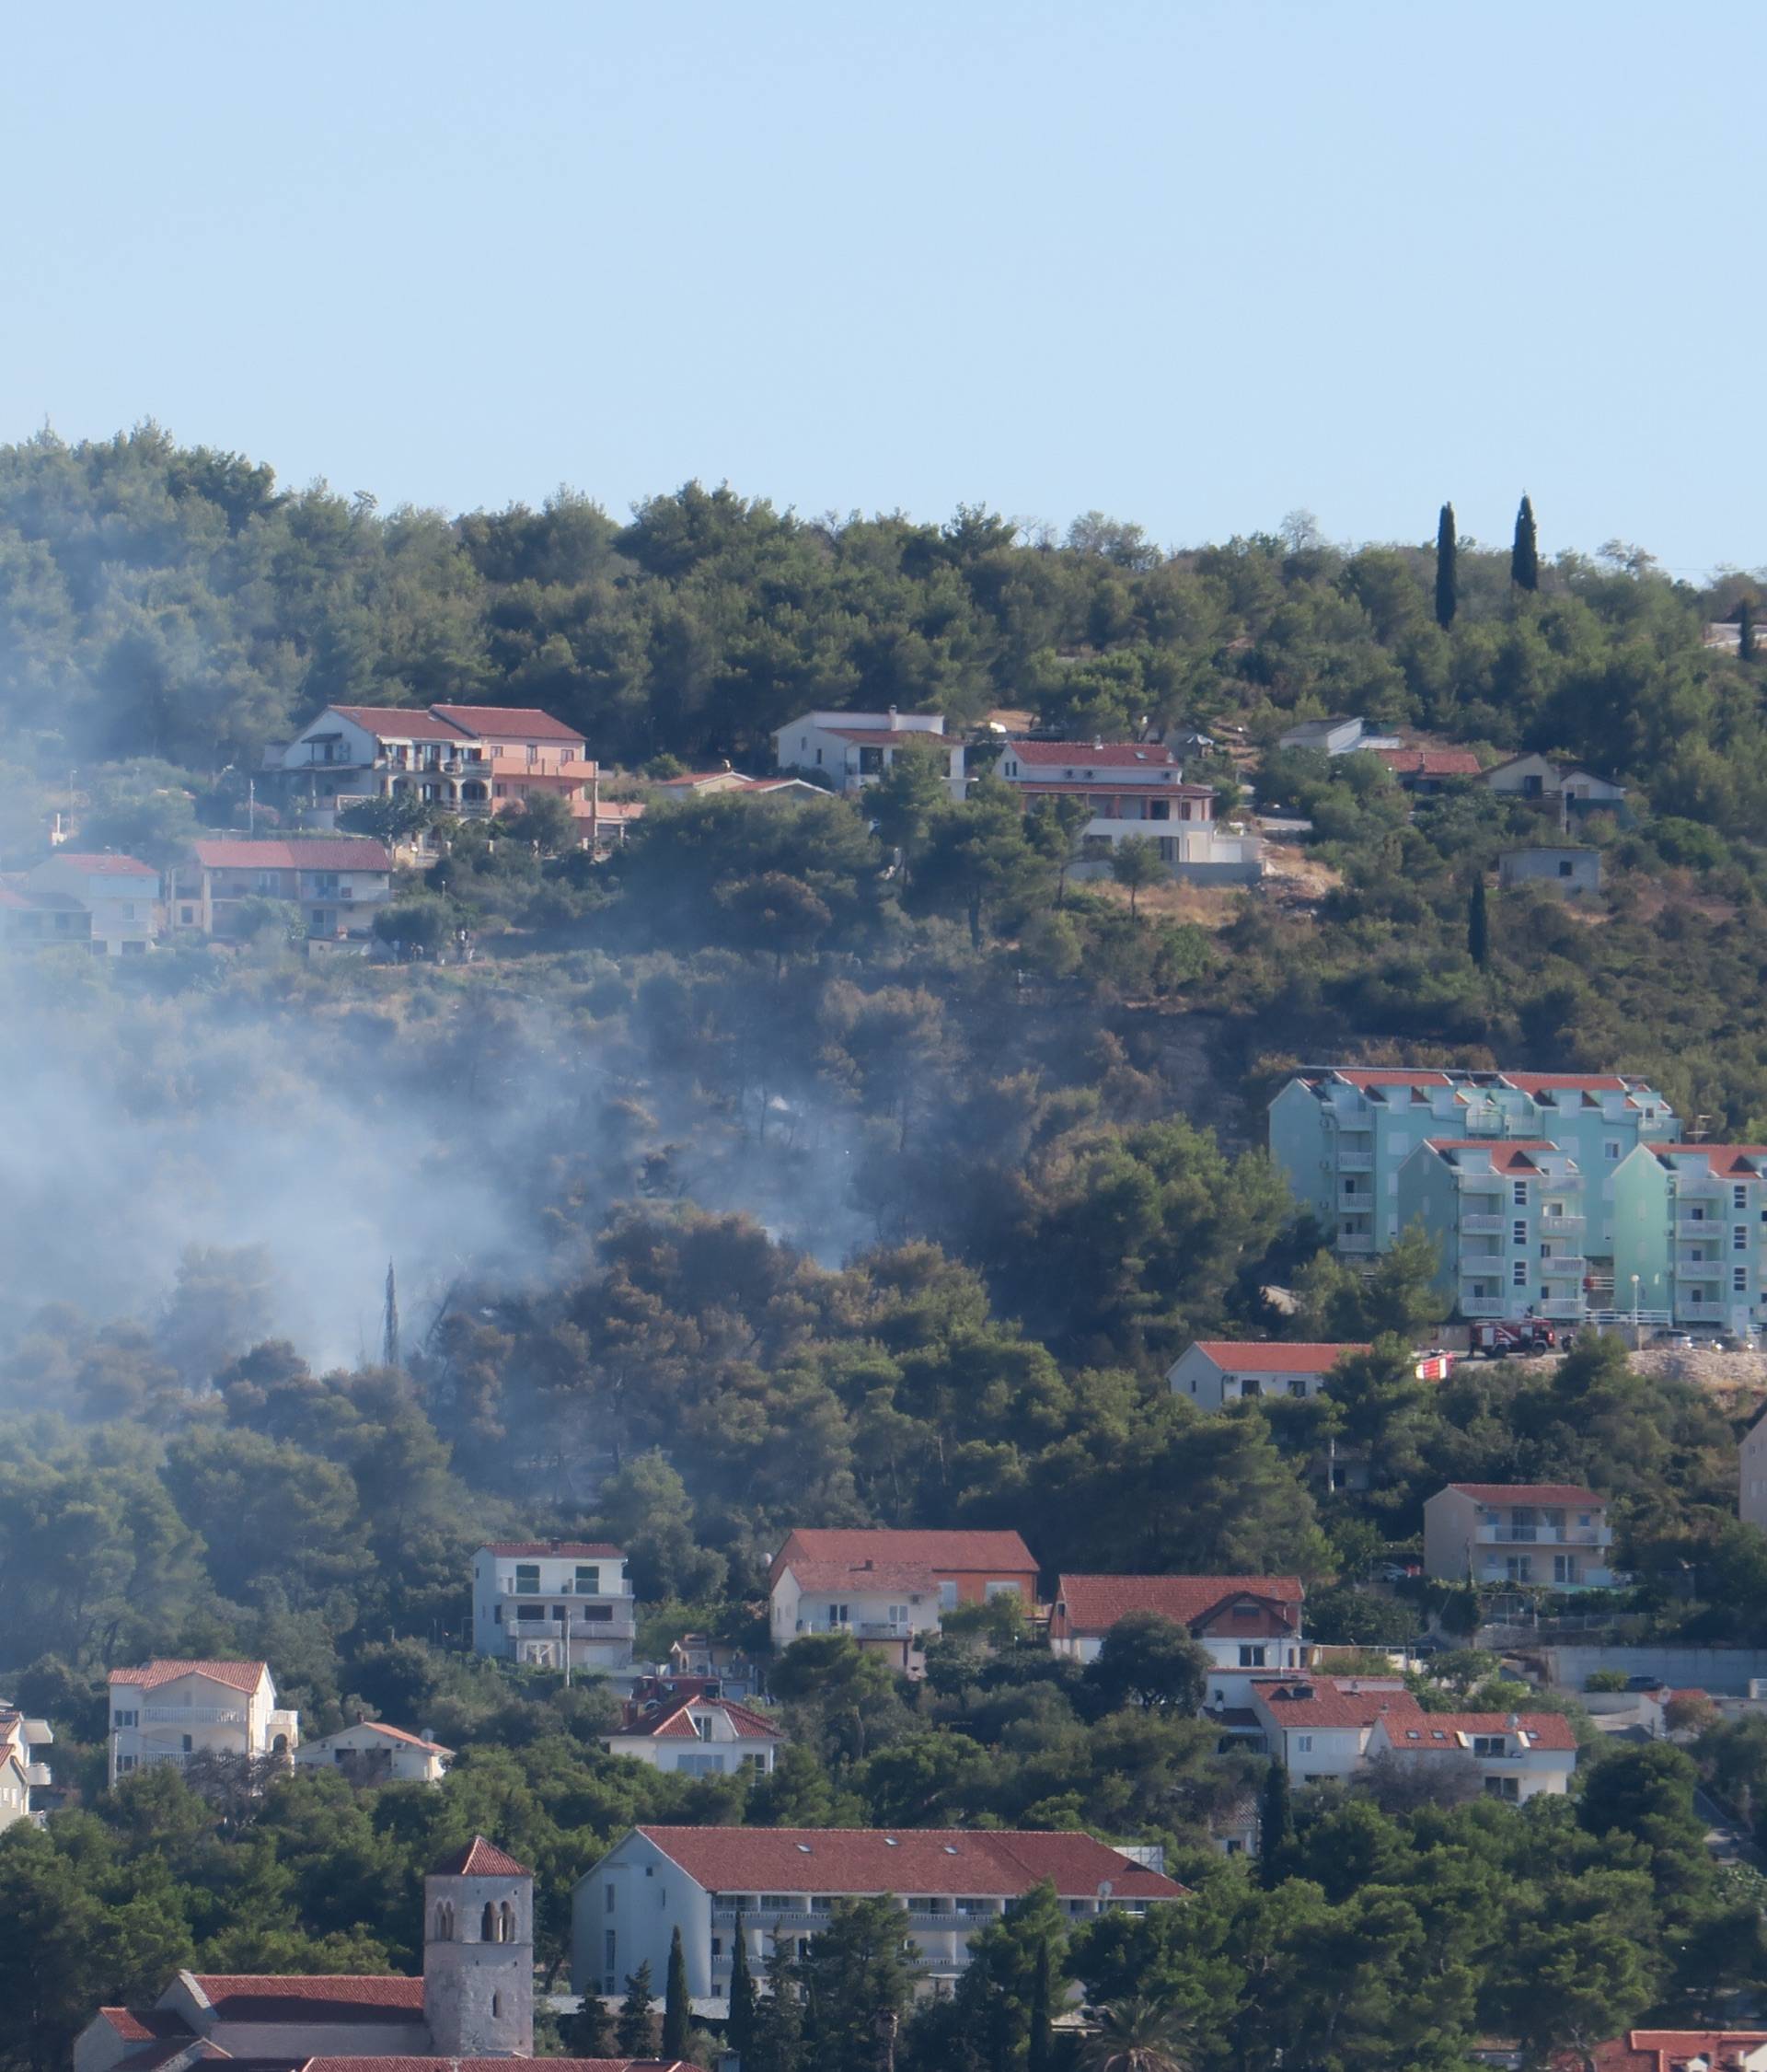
{"x": 444, "y": 1921}
{"x": 488, "y": 1925}
{"x": 506, "y": 1922}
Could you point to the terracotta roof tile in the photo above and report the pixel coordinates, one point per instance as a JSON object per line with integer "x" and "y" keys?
{"x": 1430, "y": 762}
{"x": 998, "y": 1555}
{"x": 1387, "y": 1075}
{"x": 301, "y": 852}
{"x": 1335, "y": 1701}
{"x": 1569, "y": 1083}
{"x": 1267, "y": 1356}
{"x": 1094, "y": 1604}
{"x": 105, "y": 866}
{"x": 1516, "y": 1155}
{"x": 398, "y": 722}
{"x": 1727, "y": 1161}
{"x": 480, "y": 1858}
{"x": 236, "y": 1675}
{"x": 565, "y": 1550}
{"x": 318, "y": 1997}
{"x": 676, "y": 1722}
{"x": 856, "y": 1575}
{"x": 144, "y": 2025}
{"x": 947, "y": 1861}
{"x": 507, "y": 722}
{"x": 493, "y": 2065}
{"x": 1528, "y": 1493}
{"x": 1091, "y": 755}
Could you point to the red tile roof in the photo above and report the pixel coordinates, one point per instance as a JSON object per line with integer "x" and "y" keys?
{"x": 1384, "y": 1075}
{"x": 236, "y": 1675}
{"x": 1107, "y": 790}
{"x": 318, "y": 1998}
{"x": 1725, "y": 1160}
{"x": 1516, "y": 1156}
{"x": 1527, "y": 1493}
{"x": 303, "y": 853}
{"x": 508, "y": 722}
{"x": 1437, "y": 1732}
{"x": 567, "y": 1550}
{"x": 1335, "y": 1701}
{"x": 1094, "y": 1604}
{"x": 145, "y": 2025}
{"x": 480, "y": 1858}
{"x": 1430, "y": 762}
{"x": 1092, "y": 755}
{"x": 105, "y": 866}
{"x": 869, "y": 734}
{"x": 396, "y": 724}
{"x": 391, "y": 1733}
{"x": 676, "y": 1722}
{"x": 995, "y": 1554}
{"x": 1267, "y": 1356}
{"x": 1566, "y": 1082}
{"x": 946, "y": 1861}
{"x": 1660, "y": 2050}
{"x": 855, "y": 1575}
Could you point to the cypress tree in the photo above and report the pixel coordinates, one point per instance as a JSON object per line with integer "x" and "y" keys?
{"x": 1478, "y": 926}
{"x": 677, "y": 2010}
{"x": 1447, "y": 573}
{"x": 741, "y": 2028}
{"x": 1746, "y": 632}
{"x": 1276, "y": 1826}
{"x": 635, "y": 2027}
{"x": 588, "y": 2033}
{"x": 1524, "y": 557}
{"x": 1040, "y": 2045}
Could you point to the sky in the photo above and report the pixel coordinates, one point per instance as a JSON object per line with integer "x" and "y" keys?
{"x": 1194, "y": 265}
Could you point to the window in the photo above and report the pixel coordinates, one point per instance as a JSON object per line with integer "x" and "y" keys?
{"x": 594, "y": 1614}
{"x": 126, "y": 1719}
{"x": 124, "y": 1763}
{"x": 588, "y": 1582}
{"x": 1304, "y": 1743}
{"x": 1564, "y": 1567}
{"x": 1739, "y": 1197}
{"x": 1611, "y": 1147}
{"x": 1503, "y": 1788}
{"x": 775, "y": 1902}
{"x": 1298, "y": 1386}
{"x": 487, "y": 1924}
{"x": 1739, "y": 1280}
{"x": 898, "y": 1615}
{"x": 609, "y": 1939}
{"x": 527, "y": 1579}
{"x": 947, "y": 1597}
{"x": 991, "y": 1590}
{"x": 607, "y": 1905}
{"x": 717, "y": 1948}
{"x": 1739, "y": 1238}
{"x": 496, "y": 2005}
{"x": 1519, "y": 1193}
{"x": 1251, "y": 1655}
{"x": 1564, "y": 866}
{"x": 1487, "y": 1744}
{"x": 1519, "y": 1277}
{"x": 190, "y": 1745}
{"x": 1518, "y": 1234}
{"x": 837, "y": 1614}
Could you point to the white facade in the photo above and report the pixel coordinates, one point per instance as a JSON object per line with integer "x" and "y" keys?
{"x": 1247, "y": 1625}
{"x": 375, "y": 1753}
{"x": 1212, "y": 1374}
{"x": 533, "y": 1599}
{"x": 853, "y": 749}
{"x": 1547, "y": 1535}
{"x": 1336, "y": 737}
{"x": 700, "y": 1738}
{"x": 1568, "y": 869}
{"x": 121, "y": 893}
{"x": 1136, "y": 790}
{"x": 1319, "y": 1726}
{"x": 1516, "y": 1756}
{"x": 176, "y": 1711}
{"x": 23, "y": 1768}
{"x": 1751, "y": 1494}
{"x": 1538, "y": 777}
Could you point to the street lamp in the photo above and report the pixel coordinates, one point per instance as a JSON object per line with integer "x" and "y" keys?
{"x": 1634, "y": 1313}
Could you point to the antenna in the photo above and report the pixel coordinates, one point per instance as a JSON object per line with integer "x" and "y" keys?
{"x": 389, "y": 1326}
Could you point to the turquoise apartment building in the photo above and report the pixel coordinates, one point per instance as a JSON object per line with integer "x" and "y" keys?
{"x": 1342, "y": 1134}
{"x": 1508, "y": 1224}
{"x": 1690, "y": 1221}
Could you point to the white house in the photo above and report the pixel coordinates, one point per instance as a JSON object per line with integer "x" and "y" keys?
{"x": 1549, "y": 1534}
{"x": 1135, "y": 789}
{"x": 1246, "y": 1625}
{"x": 1516, "y": 1756}
{"x": 372, "y": 1752}
{"x": 474, "y": 2002}
{"x": 176, "y": 1711}
{"x": 1539, "y": 778}
{"x": 1214, "y": 1372}
{"x": 1338, "y": 736}
{"x": 338, "y": 881}
{"x": 1751, "y": 1491}
{"x": 532, "y": 1600}
{"x": 853, "y": 749}
{"x": 1569, "y": 868}
{"x": 697, "y": 1737}
{"x": 778, "y": 1886}
{"x": 121, "y": 892}
{"x": 22, "y": 1767}
{"x": 1319, "y": 1726}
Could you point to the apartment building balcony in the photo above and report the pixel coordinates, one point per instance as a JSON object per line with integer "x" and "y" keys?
{"x": 1543, "y": 1536}
{"x": 1482, "y": 1305}
{"x": 1567, "y": 1310}
{"x": 37, "y": 1773}
{"x": 1355, "y": 1240}
{"x": 1555, "y": 1266}
{"x": 506, "y": 1587}
{"x": 615, "y": 1628}
{"x": 191, "y": 1716}
{"x": 1478, "y": 1182}
{"x": 1482, "y": 1224}
{"x": 1703, "y": 1313}
{"x": 1356, "y": 1161}
{"x": 1691, "y": 1256}
{"x": 1571, "y": 1226}
{"x": 1697, "y": 1226}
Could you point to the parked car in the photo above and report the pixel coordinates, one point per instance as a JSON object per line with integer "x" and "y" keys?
{"x": 1645, "y": 1684}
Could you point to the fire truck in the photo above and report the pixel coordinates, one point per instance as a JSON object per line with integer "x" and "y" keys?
{"x": 1525, "y": 1337}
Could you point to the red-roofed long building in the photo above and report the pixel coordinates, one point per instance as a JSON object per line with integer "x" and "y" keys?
{"x": 534, "y": 1599}
{"x": 1552, "y": 1534}
{"x": 172, "y": 1711}
{"x": 782, "y": 1883}
{"x": 1214, "y": 1372}
{"x": 1514, "y": 1756}
{"x": 337, "y": 880}
{"x": 886, "y": 1587}
{"x": 847, "y": 751}
{"x": 1247, "y": 1624}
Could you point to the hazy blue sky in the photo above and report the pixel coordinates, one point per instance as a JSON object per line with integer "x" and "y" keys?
{"x": 1192, "y": 264}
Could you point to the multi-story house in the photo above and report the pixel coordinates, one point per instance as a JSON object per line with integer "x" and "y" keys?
{"x": 177, "y": 1711}
{"x": 474, "y": 2002}
{"x": 1538, "y": 779}
{"x": 1751, "y": 1492}
{"x": 1545, "y": 1534}
{"x": 1214, "y": 1372}
{"x": 338, "y": 881}
{"x": 373, "y": 1753}
{"x": 697, "y": 1736}
{"x": 886, "y": 1587}
{"x": 1508, "y": 1223}
{"x": 778, "y": 1886}
{"x": 467, "y": 760}
{"x": 1689, "y": 1221}
{"x": 23, "y": 1769}
{"x": 1515, "y": 1755}
{"x": 849, "y": 750}
{"x": 121, "y": 892}
{"x": 547, "y": 1601}
{"x": 1247, "y": 1625}
{"x": 1318, "y": 1727}
{"x": 1341, "y": 1134}
{"x": 1134, "y": 789}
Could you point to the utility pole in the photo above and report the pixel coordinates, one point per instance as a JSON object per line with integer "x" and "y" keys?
{"x": 389, "y": 1323}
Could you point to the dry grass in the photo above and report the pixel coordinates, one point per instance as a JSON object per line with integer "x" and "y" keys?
{"x": 1208, "y": 906}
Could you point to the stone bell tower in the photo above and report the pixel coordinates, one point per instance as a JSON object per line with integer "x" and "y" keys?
{"x": 479, "y": 1954}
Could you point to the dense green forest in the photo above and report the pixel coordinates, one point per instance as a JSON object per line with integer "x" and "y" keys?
{"x": 798, "y": 1166}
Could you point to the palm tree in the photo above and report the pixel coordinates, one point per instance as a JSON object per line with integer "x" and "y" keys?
{"x": 1135, "y": 2036}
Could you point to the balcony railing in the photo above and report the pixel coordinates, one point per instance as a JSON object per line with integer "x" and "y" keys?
{"x": 191, "y": 1716}
{"x": 1699, "y": 1226}
{"x": 1355, "y": 1240}
{"x": 1356, "y": 1161}
{"x": 1569, "y": 1310}
{"x": 1543, "y": 1536}
{"x": 1558, "y": 1264}
{"x": 506, "y": 1587}
{"x": 1482, "y": 1225}
{"x": 1572, "y": 1226}
{"x": 1481, "y": 1305}
{"x": 1703, "y": 1313}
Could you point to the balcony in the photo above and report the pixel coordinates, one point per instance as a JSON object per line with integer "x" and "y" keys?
{"x": 1480, "y": 1224}
{"x": 506, "y": 1587}
{"x": 1558, "y": 1265}
{"x": 1482, "y": 1305}
{"x": 1543, "y": 1536}
{"x": 1689, "y": 1258}
{"x": 579, "y": 1629}
{"x": 191, "y": 1716}
{"x": 1569, "y": 1310}
{"x": 1704, "y": 1313}
{"x": 1356, "y": 1161}
{"x": 1698, "y": 1226}
{"x": 1355, "y": 1240}
{"x": 1570, "y": 1226}
{"x": 37, "y": 1773}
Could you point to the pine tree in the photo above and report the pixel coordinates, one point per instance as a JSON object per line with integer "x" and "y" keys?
{"x": 588, "y": 2033}
{"x": 1524, "y": 557}
{"x": 1746, "y": 632}
{"x": 741, "y": 2026}
{"x": 635, "y": 2028}
{"x": 1040, "y": 2045}
{"x": 677, "y": 2010}
{"x": 1478, "y": 926}
{"x": 776, "y": 2035}
{"x": 1446, "y": 572}
{"x": 1276, "y": 1826}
